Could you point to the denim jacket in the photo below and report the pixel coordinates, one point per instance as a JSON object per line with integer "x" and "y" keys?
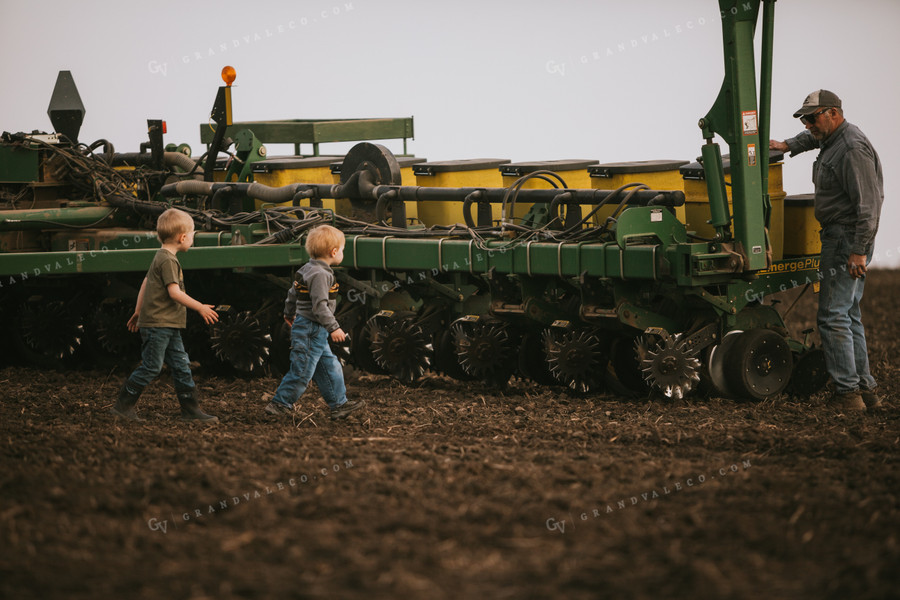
{"x": 848, "y": 181}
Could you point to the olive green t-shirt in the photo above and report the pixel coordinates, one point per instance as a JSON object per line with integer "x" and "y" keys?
{"x": 158, "y": 309}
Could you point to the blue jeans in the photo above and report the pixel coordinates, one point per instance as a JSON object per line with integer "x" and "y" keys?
{"x": 312, "y": 359}
{"x": 839, "y": 318}
{"x": 162, "y": 345}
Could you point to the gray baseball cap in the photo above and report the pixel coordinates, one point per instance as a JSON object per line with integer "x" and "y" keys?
{"x": 816, "y": 100}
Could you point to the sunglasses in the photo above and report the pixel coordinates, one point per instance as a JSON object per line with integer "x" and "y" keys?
{"x": 810, "y": 119}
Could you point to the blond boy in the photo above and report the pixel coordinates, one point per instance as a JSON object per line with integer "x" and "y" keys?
{"x": 309, "y": 309}
{"x": 160, "y": 314}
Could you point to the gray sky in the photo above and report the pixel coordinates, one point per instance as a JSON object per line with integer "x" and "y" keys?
{"x": 528, "y": 80}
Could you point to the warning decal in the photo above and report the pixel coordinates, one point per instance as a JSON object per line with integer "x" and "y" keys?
{"x": 748, "y": 118}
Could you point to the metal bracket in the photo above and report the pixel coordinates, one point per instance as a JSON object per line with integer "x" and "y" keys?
{"x": 384, "y": 251}
{"x": 719, "y": 303}
{"x": 702, "y": 338}
{"x": 445, "y": 290}
{"x": 344, "y": 279}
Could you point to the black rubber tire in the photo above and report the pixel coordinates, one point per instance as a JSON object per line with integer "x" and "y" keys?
{"x": 759, "y": 365}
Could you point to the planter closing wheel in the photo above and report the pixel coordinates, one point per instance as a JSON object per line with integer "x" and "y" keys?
{"x": 758, "y": 365}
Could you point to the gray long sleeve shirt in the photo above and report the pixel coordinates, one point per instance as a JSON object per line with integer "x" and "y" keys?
{"x": 312, "y": 295}
{"x": 848, "y": 181}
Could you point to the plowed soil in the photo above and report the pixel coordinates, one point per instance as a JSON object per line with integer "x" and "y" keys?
{"x": 451, "y": 490}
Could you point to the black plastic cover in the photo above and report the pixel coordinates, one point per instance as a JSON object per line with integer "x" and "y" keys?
{"x": 523, "y": 168}
{"x": 452, "y": 166}
{"x": 608, "y": 170}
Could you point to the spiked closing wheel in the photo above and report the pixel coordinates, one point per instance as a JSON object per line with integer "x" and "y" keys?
{"x": 399, "y": 345}
{"x": 240, "y": 340}
{"x": 670, "y": 367}
{"x": 484, "y": 348}
{"x": 48, "y": 330}
{"x": 108, "y": 329}
{"x": 576, "y": 358}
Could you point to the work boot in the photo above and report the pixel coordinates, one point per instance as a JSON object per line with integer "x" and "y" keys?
{"x": 346, "y": 408}
{"x": 277, "y": 408}
{"x": 190, "y": 409}
{"x": 870, "y": 397}
{"x": 124, "y": 406}
{"x": 851, "y": 401}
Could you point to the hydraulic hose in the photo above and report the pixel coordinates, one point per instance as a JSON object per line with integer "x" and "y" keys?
{"x": 183, "y": 162}
{"x": 272, "y": 194}
{"x": 188, "y": 188}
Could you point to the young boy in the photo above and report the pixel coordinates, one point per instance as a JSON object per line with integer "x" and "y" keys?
{"x": 310, "y": 307}
{"x": 161, "y": 314}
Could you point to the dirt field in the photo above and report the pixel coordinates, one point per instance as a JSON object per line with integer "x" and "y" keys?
{"x": 448, "y": 490}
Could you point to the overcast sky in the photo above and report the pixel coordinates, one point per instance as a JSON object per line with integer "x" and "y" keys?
{"x": 526, "y": 80}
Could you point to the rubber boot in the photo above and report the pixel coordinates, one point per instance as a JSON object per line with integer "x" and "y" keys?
{"x": 190, "y": 409}
{"x": 124, "y": 406}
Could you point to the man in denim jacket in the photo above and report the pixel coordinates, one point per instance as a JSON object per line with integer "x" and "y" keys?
{"x": 849, "y": 193}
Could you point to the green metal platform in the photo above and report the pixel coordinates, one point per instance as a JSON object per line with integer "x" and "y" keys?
{"x": 319, "y": 131}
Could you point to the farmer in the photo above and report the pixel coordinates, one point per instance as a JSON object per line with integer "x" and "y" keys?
{"x": 849, "y": 193}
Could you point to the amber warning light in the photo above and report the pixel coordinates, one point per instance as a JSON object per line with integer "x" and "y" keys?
{"x": 228, "y": 75}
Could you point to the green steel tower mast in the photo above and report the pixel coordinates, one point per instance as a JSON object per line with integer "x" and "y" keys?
{"x": 744, "y": 125}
